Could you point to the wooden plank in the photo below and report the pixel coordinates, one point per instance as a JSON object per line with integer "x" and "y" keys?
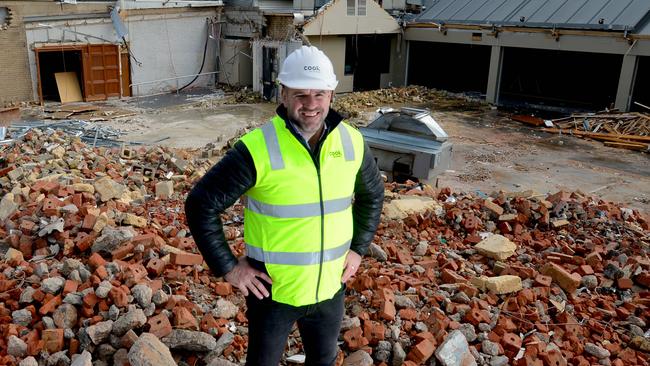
{"x": 529, "y": 120}
{"x": 68, "y": 86}
{"x": 592, "y": 134}
{"x": 629, "y": 146}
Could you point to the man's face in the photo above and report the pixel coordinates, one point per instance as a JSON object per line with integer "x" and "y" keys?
{"x": 307, "y": 107}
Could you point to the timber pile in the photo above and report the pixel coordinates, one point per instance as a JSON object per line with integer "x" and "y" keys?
{"x": 624, "y": 130}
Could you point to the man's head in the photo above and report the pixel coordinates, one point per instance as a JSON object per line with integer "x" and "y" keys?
{"x": 308, "y": 82}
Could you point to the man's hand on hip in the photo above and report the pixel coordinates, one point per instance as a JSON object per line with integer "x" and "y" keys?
{"x": 245, "y": 278}
{"x": 351, "y": 265}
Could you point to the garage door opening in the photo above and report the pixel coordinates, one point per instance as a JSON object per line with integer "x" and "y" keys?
{"x": 559, "y": 79}
{"x": 367, "y": 57}
{"x": 52, "y": 62}
{"x": 641, "y": 90}
{"x": 453, "y": 67}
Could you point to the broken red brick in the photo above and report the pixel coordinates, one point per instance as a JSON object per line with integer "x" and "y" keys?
{"x": 421, "y": 352}
{"x": 159, "y": 325}
{"x": 186, "y": 259}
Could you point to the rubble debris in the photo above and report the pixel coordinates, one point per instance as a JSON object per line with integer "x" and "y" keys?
{"x": 126, "y": 290}
{"x": 85, "y": 111}
{"x": 350, "y": 105}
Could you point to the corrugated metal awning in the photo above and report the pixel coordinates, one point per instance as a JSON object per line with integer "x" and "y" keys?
{"x": 577, "y": 14}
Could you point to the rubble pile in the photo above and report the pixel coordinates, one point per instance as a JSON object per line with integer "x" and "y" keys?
{"x": 98, "y": 268}
{"x": 242, "y": 96}
{"x": 85, "y": 112}
{"x": 96, "y": 257}
{"x": 352, "y": 104}
{"x": 516, "y": 279}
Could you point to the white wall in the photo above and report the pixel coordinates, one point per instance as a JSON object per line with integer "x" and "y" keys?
{"x": 170, "y": 46}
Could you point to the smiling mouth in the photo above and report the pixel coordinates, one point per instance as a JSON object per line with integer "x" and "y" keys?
{"x": 310, "y": 114}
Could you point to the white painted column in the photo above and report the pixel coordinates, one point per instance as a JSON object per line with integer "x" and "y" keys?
{"x": 626, "y": 83}
{"x": 494, "y": 76}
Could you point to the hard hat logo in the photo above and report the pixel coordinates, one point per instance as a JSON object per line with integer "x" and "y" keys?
{"x": 308, "y": 68}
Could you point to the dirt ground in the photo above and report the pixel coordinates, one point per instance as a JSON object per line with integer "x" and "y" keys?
{"x": 490, "y": 153}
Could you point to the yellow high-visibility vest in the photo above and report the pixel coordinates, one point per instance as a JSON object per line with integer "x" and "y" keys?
{"x": 298, "y": 216}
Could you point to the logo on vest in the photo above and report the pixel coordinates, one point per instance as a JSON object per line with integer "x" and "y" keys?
{"x": 335, "y": 154}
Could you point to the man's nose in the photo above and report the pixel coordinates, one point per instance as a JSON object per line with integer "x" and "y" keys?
{"x": 309, "y": 101}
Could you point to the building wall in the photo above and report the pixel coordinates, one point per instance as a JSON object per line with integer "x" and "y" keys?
{"x": 242, "y": 22}
{"x": 167, "y": 42}
{"x": 334, "y": 48}
{"x": 235, "y": 67}
{"x": 334, "y": 19}
{"x": 279, "y": 27}
{"x": 170, "y": 44}
{"x": 15, "y": 75}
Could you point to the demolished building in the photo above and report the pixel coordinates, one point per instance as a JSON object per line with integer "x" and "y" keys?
{"x": 589, "y": 54}
{"x": 106, "y": 49}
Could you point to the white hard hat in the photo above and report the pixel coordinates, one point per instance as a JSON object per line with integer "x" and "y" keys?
{"x": 308, "y": 68}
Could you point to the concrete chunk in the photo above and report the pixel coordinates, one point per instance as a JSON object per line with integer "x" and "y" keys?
{"x": 148, "y": 350}
{"x": 497, "y": 247}
{"x": 455, "y": 351}
{"x": 503, "y": 284}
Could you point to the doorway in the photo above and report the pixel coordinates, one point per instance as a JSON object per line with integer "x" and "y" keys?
{"x": 52, "y": 62}
{"x": 269, "y": 72}
{"x": 97, "y": 69}
{"x": 367, "y": 57}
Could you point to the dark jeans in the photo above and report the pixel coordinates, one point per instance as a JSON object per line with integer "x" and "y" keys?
{"x": 270, "y": 322}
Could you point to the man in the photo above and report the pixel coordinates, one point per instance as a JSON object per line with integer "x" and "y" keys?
{"x": 313, "y": 203}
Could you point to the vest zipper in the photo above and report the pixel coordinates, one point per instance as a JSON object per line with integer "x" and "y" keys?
{"x": 322, "y": 230}
{"x": 315, "y": 157}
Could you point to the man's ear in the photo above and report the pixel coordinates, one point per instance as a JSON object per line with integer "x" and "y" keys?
{"x": 283, "y": 95}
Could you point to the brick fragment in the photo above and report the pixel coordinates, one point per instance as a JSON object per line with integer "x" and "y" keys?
{"x": 53, "y": 340}
{"x": 184, "y": 319}
{"x": 624, "y": 283}
{"x": 543, "y": 280}
{"x": 421, "y": 352}
{"x": 159, "y": 325}
{"x": 567, "y": 281}
{"x": 155, "y": 267}
{"x": 511, "y": 341}
{"x": 354, "y": 339}
{"x": 223, "y": 288}
{"x": 498, "y": 210}
{"x": 186, "y": 259}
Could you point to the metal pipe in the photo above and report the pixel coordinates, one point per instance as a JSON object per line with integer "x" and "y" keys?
{"x": 174, "y": 78}
{"x": 65, "y": 29}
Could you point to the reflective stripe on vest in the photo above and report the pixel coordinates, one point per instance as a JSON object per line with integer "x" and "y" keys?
{"x": 298, "y": 211}
{"x": 296, "y": 258}
{"x": 273, "y": 146}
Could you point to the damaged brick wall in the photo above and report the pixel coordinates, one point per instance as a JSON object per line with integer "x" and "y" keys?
{"x": 280, "y": 27}
{"x": 14, "y": 77}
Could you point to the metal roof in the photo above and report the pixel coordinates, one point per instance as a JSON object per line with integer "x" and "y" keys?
{"x": 580, "y": 14}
